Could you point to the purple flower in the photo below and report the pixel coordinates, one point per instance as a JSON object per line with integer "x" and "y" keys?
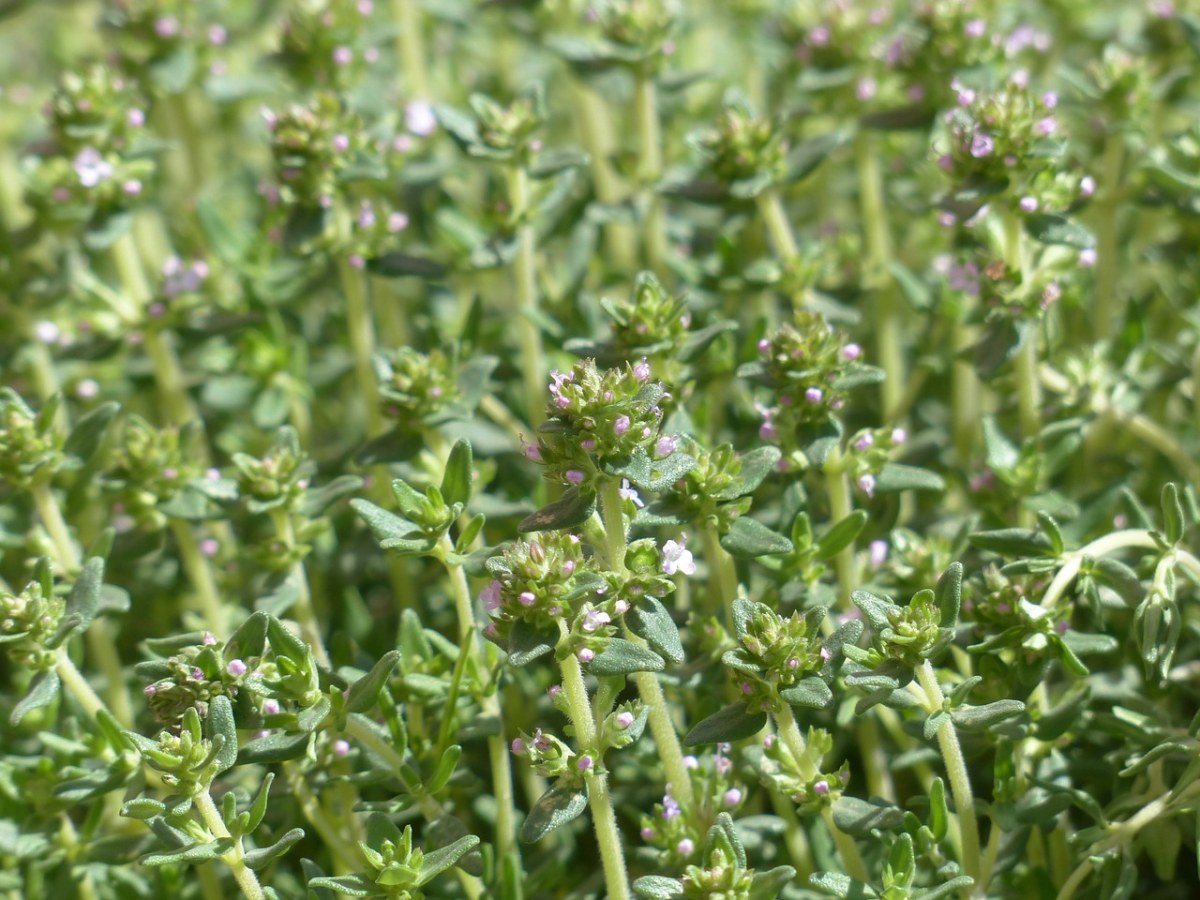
{"x": 982, "y": 146}
{"x": 236, "y": 668}
{"x": 341, "y": 748}
{"x": 1087, "y": 258}
{"x": 866, "y": 484}
{"x": 626, "y": 492}
{"x": 685, "y": 847}
{"x": 666, "y": 446}
{"x": 877, "y": 553}
{"x": 420, "y": 119}
{"x": 670, "y": 806}
{"x": 585, "y": 654}
{"x": 851, "y": 352}
{"x": 821, "y": 788}
{"x": 732, "y": 797}
{"x": 677, "y": 558}
{"x": 814, "y": 395}
{"x": 648, "y": 834}
{"x": 490, "y": 595}
{"x": 641, "y": 371}
{"x": 527, "y": 598}
{"x": 1047, "y": 126}
{"x": 864, "y": 442}
{"x": 396, "y": 222}
{"x": 1087, "y": 186}
{"x": 1028, "y": 204}
{"x": 899, "y": 436}
{"x": 621, "y": 425}
{"x": 574, "y": 476}
{"x": 518, "y": 747}
{"x": 342, "y": 56}
{"x": 624, "y": 719}
{"x": 585, "y": 764}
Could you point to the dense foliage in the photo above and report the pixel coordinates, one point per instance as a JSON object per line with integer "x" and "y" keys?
{"x": 723, "y": 449}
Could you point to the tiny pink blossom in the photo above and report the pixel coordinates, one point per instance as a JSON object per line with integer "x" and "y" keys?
{"x": 624, "y": 719}
{"x": 585, "y": 654}
{"x": 732, "y": 797}
{"x": 341, "y": 747}
{"x": 236, "y": 668}
{"x": 685, "y": 847}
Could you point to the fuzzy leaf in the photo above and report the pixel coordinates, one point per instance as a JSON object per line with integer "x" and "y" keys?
{"x": 749, "y": 539}
{"x": 841, "y": 535}
{"x": 555, "y": 808}
{"x": 1012, "y": 542}
{"x": 978, "y": 718}
{"x": 438, "y": 861}
{"x": 573, "y": 508}
{"x": 657, "y": 887}
{"x": 261, "y": 857}
{"x": 43, "y": 689}
{"x": 652, "y": 622}
{"x": 899, "y": 477}
{"x": 220, "y": 722}
{"x": 808, "y": 693}
{"x": 365, "y": 692}
{"x": 87, "y": 435}
{"x": 317, "y": 500}
{"x": 1052, "y": 229}
{"x": 383, "y": 524}
{"x": 835, "y": 884}
{"x": 457, "y": 477}
{"x": 525, "y": 643}
{"x": 622, "y": 657}
{"x": 733, "y": 723}
{"x": 859, "y": 818}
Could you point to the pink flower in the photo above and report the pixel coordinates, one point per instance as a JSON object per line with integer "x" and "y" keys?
{"x": 677, "y": 558}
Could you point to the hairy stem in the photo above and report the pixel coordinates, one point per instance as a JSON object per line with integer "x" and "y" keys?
{"x": 302, "y": 609}
{"x": 524, "y": 270}
{"x": 200, "y": 574}
{"x": 361, "y": 329}
{"x": 1108, "y": 307}
{"x": 650, "y": 165}
{"x": 234, "y": 858}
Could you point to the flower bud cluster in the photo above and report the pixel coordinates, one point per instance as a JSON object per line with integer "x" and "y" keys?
{"x": 149, "y": 467}
{"x": 782, "y": 771}
{"x": 652, "y": 321}
{"x": 913, "y": 630}
{"x": 1007, "y": 141}
{"x": 413, "y": 385}
{"x": 549, "y": 756}
{"x": 96, "y": 119}
{"x": 622, "y": 726}
{"x": 397, "y": 864}
{"x": 720, "y": 876}
{"x": 775, "y": 653}
{"x": 182, "y": 290}
{"x": 510, "y": 130}
{"x": 326, "y": 44}
{"x": 183, "y": 756}
{"x": 802, "y": 363}
{"x": 710, "y": 488}
{"x": 870, "y": 450}
{"x": 191, "y": 677}
{"x": 153, "y": 36}
{"x": 279, "y": 478}
{"x": 27, "y": 621}
{"x": 675, "y": 830}
{"x": 375, "y": 228}
{"x": 29, "y": 446}
{"x": 311, "y": 145}
{"x": 742, "y": 147}
{"x": 542, "y": 582}
{"x": 640, "y": 28}
{"x": 595, "y": 417}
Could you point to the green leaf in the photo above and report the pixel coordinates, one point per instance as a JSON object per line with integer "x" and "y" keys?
{"x": 652, "y": 622}
{"x": 835, "y": 884}
{"x": 841, "y": 535}
{"x": 88, "y": 434}
{"x": 948, "y": 594}
{"x": 733, "y": 723}
{"x": 622, "y": 657}
{"x": 438, "y": 861}
{"x": 978, "y": 718}
{"x": 999, "y": 343}
{"x": 317, "y": 500}
{"x": 874, "y": 609}
{"x": 192, "y": 854}
{"x": 757, "y": 464}
{"x": 1012, "y": 542}
{"x": 350, "y": 885}
{"x": 457, "y": 477}
{"x": 383, "y": 524}
{"x": 749, "y": 539}
{"x": 249, "y": 639}
{"x": 945, "y": 889}
{"x": 84, "y": 599}
{"x": 657, "y": 887}
{"x": 770, "y": 884}
{"x": 939, "y": 810}
{"x": 445, "y": 769}
{"x": 555, "y": 808}
{"x": 934, "y": 723}
{"x": 526, "y": 643}
{"x": 1053, "y": 229}
{"x": 1172, "y": 514}
{"x": 400, "y": 265}
{"x": 261, "y": 857}
{"x": 808, "y": 693}
{"x": 143, "y": 808}
{"x": 899, "y": 477}
{"x": 858, "y": 818}
{"x": 221, "y": 723}
{"x": 43, "y": 689}
{"x": 573, "y": 508}
{"x": 364, "y": 692}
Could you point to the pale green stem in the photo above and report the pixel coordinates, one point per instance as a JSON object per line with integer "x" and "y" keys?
{"x": 410, "y": 46}
{"x": 210, "y": 884}
{"x": 840, "y": 506}
{"x": 498, "y": 753}
{"x": 604, "y": 818}
{"x": 650, "y": 167}
{"x": 1196, "y": 386}
{"x": 74, "y": 682}
{"x": 345, "y": 854}
{"x": 779, "y": 229}
{"x": 722, "y": 572}
{"x": 1118, "y": 540}
{"x": 1108, "y": 306}
{"x": 529, "y": 335}
{"x": 876, "y": 271}
{"x": 235, "y": 857}
{"x": 360, "y": 328}
{"x": 785, "y": 724}
{"x": 596, "y": 128}
{"x": 651, "y": 692}
{"x": 956, "y": 771}
{"x": 302, "y": 609}
{"x": 176, "y": 404}
{"x": 99, "y": 635}
{"x": 200, "y": 574}
{"x": 964, "y": 392}
{"x": 989, "y": 857}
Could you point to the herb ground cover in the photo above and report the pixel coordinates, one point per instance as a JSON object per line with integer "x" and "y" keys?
{"x": 618, "y": 449}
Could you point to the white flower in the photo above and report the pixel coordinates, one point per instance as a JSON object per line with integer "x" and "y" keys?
{"x": 677, "y": 558}
{"x": 419, "y": 118}
{"x": 91, "y": 167}
{"x": 628, "y": 493}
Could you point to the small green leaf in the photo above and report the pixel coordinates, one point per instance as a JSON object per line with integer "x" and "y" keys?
{"x": 364, "y": 692}
{"x": 526, "y": 643}
{"x": 220, "y": 722}
{"x": 874, "y": 609}
{"x": 978, "y": 718}
{"x": 193, "y": 854}
{"x": 249, "y": 639}
{"x": 1013, "y": 542}
{"x": 622, "y": 657}
{"x": 383, "y": 524}
{"x": 858, "y": 818}
{"x": 841, "y": 535}
{"x": 261, "y": 857}
{"x": 143, "y": 808}
{"x": 835, "y": 884}
{"x": 733, "y": 723}
{"x": 1053, "y": 229}
{"x": 808, "y": 693}
{"x": 317, "y": 500}
{"x": 948, "y": 594}
{"x": 657, "y": 887}
{"x": 457, "y": 477}
{"x": 88, "y": 434}
{"x": 939, "y": 810}
{"x": 898, "y": 477}
{"x": 945, "y": 889}
{"x": 573, "y": 508}
{"x": 555, "y": 808}
{"x": 933, "y": 723}
{"x": 1172, "y": 514}
{"x": 43, "y": 689}
{"x": 749, "y": 539}
{"x": 350, "y": 885}
{"x": 445, "y": 768}
{"x": 652, "y": 622}
{"x": 438, "y": 861}
{"x": 84, "y": 599}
